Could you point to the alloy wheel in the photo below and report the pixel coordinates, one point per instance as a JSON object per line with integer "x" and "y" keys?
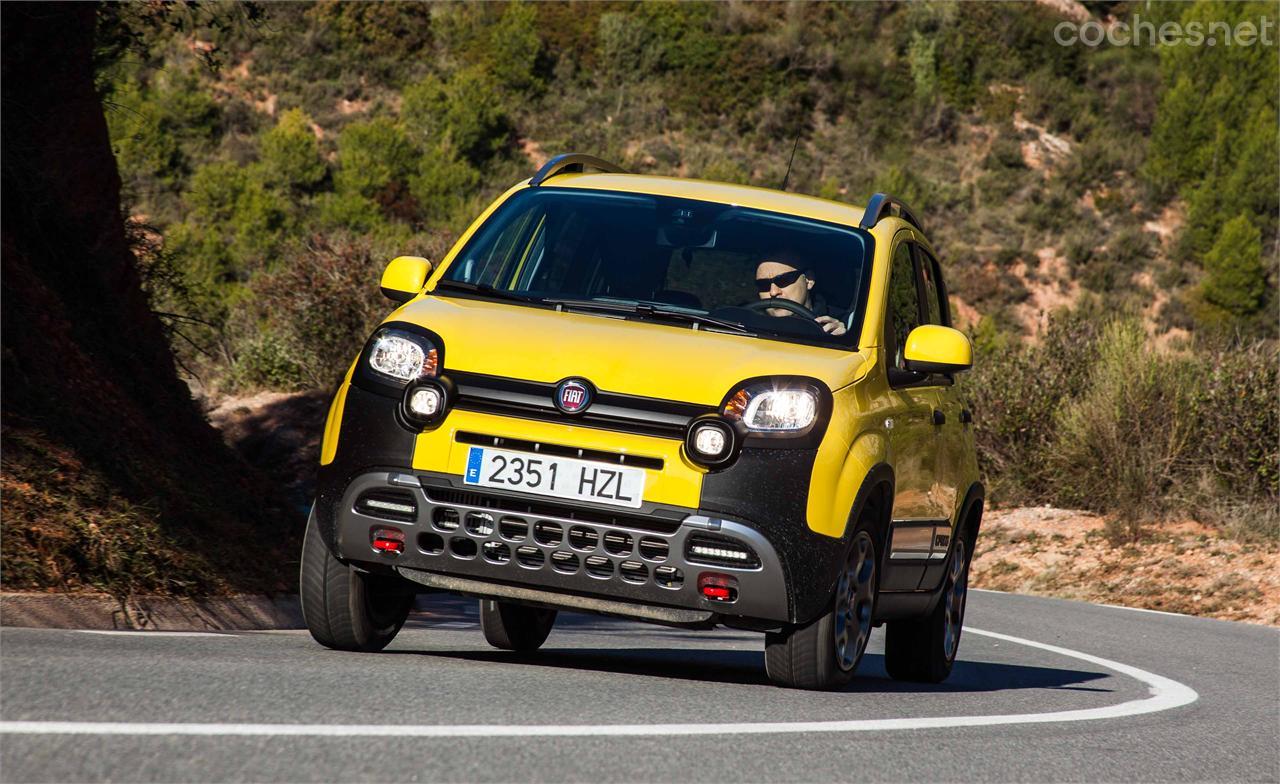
{"x": 956, "y": 591}
{"x": 855, "y": 596}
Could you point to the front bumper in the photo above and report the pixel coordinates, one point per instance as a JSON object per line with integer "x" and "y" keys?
{"x": 508, "y": 539}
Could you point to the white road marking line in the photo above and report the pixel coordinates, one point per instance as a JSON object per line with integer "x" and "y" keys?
{"x": 1165, "y": 694}
{"x": 143, "y": 633}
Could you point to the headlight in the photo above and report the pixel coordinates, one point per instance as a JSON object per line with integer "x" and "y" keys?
{"x": 768, "y": 409}
{"x": 403, "y": 356}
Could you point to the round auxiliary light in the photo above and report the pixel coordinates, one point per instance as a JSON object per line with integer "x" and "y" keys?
{"x": 711, "y": 441}
{"x": 425, "y": 402}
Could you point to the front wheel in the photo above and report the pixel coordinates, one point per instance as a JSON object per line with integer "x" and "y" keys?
{"x": 345, "y": 609}
{"x": 824, "y": 653}
{"x": 924, "y": 649}
{"x": 514, "y": 627}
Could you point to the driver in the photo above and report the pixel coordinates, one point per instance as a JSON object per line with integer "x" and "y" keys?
{"x": 781, "y": 280}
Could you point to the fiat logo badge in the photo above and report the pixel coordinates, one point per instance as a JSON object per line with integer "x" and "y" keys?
{"x": 573, "y": 395}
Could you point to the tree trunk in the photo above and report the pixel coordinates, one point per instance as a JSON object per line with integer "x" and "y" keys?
{"x": 91, "y": 395}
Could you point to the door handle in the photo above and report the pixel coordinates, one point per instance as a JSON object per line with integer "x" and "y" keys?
{"x": 965, "y": 416}
{"x": 939, "y": 418}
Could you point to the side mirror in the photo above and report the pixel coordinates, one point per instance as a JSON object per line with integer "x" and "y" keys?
{"x": 404, "y": 277}
{"x": 937, "y": 349}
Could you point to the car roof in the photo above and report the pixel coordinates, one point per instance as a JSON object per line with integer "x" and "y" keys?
{"x": 721, "y": 192}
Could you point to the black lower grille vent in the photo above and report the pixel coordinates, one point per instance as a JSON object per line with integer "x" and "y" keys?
{"x": 513, "y": 528}
{"x": 653, "y": 549}
{"x": 633, "y": 571}
{"x": 548, "y": 533}
{"x": 564, "y": 561}
{"x": 496, "y": 552}
{"x": 530, "y": 556}
{"x": 583, "y": 538}
{"x": 445, "y": 519}
{"x": 668, "y": 577}
{"x": 599, "y": 566}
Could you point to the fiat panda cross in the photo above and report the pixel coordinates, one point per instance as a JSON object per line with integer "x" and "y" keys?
{"x": 669, "y": 400}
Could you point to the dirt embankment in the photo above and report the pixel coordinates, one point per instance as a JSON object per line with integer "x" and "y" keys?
{"x": 1176, "y": 567}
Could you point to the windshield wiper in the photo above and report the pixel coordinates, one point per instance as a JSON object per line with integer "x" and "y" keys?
{"x": 484, "y": 290}
{"x": 644, "y": 309}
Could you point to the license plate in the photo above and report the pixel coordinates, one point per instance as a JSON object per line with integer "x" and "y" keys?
{"x": 562, "y": 477}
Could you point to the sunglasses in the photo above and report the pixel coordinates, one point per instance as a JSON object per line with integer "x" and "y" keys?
{"x": 782, "y": 281}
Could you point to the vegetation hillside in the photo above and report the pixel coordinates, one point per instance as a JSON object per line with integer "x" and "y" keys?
{"x": 1108, "y": 216}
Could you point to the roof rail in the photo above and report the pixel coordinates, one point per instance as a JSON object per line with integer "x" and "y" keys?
{"x": 883, "y": 204}
{"x": 573, "y": 162}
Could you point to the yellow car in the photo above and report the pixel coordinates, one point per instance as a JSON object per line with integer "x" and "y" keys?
{"x": 670, "y": 400}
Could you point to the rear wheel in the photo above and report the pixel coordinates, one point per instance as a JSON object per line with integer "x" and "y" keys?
{"x": 345, "y": 609}
{"x": 514, "y": 627}
{"x": 924, "y": 649}
{"x": 824, "y": 653}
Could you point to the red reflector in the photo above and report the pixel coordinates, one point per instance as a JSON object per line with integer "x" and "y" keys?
{"x": 718, "y": 587}
{"x": 388, "y": 540}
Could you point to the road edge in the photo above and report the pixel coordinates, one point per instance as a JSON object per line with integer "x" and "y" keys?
{"x": 246, "y": 612}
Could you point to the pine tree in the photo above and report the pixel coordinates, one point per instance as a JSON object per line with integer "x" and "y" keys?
{"x": 1235, "y": 279}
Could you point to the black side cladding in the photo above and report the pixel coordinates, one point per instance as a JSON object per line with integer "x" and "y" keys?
{"x": 370, "y": 436}
{"x": 768, "y": 489}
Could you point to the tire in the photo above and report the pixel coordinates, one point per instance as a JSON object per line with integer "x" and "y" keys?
{"x": 514, "y": 627}
{"x": 923, "y": 650}
{"x": 824, "y": 653}
{"x": 345, "y": 609}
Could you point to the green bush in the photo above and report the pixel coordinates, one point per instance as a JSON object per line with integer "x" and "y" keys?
{"x": 443, "y": 184}
{"x": 291, "y": 154}
{"x": 467, "y": 110}
{"x": 373, "y": 156}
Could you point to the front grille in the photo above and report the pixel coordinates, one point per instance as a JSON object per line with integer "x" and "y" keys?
{"x": 446, "y": 495}
{"x": 609, "y": 410}
{"x": 559, "y": 450}
{"x": 476, "y": 529}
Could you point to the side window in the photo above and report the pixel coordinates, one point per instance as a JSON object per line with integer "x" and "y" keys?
{"x": 935, "y": 292}
{"x": 903, "y": 311}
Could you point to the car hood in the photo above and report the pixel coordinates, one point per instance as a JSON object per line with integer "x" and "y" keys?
{"x": 673, "y": 362}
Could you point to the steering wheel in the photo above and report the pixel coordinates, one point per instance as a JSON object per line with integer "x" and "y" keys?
{"x": 763, "y": 305}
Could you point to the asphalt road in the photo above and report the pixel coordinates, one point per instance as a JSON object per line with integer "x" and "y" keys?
{"x": 1117, "y": 695}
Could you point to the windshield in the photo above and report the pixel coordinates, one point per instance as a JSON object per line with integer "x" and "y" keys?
{"x": 672, "y": 260}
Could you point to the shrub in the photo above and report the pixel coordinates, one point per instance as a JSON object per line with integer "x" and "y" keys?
{"x": 232, "y": 204}
{"x": 371, "y": 156}
{"x": 311, "y": 313}
{"x": 467, "y": 109}
{"x": 349, "y": 211}
{"x": 1122, "y": 444}
{"x": 1015, "y": 392}
{"x": 443, "y": 183}
{"x": 291, "y": 154}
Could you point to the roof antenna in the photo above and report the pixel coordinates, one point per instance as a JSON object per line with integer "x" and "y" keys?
{"x": 793, "y": 159}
